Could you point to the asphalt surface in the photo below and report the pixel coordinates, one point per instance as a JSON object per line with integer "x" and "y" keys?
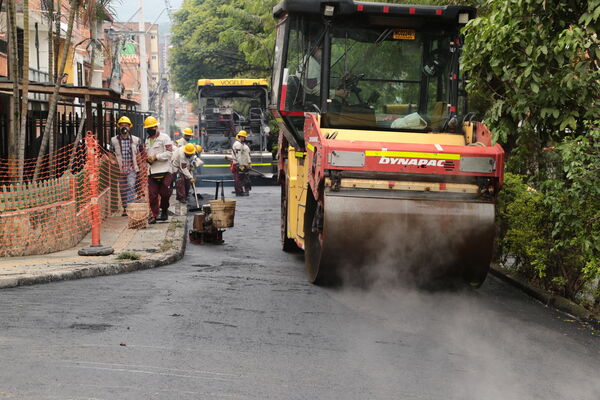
{"x": 240, "y": 321}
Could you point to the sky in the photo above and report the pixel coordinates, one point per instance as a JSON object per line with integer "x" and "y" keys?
{"x": 152, "y": 10}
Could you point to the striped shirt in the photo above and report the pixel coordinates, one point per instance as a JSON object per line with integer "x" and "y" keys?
{"x": 126, "y": 154}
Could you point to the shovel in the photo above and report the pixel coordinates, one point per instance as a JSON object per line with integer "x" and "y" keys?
{"x": 198, "y": 208}
{"x": 267, "y": 175}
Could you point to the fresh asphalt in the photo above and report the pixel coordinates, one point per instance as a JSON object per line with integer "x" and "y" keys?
{"x": 240, "y": 321}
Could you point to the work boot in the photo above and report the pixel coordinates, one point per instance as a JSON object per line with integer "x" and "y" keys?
{"x": 151, "y": 220}
{"x": 163, "y": 216}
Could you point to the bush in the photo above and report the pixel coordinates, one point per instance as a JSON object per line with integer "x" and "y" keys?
{"x": 551, "y": 234}
{"x": 525, "y": 233}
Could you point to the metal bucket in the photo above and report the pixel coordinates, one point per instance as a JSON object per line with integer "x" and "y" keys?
{"x": 138, "y": 215}
{"x": 223, "y": 213}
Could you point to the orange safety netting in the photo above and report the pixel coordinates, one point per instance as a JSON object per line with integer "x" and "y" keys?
{"x": 58, "y": 201}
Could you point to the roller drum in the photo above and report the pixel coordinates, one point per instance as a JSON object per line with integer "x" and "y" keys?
{"x": 370, "y": 236}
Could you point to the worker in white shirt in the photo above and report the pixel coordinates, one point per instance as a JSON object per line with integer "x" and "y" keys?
{"x": 160, "y": 151}
{"x": 181, "y": 164}
{"x": 188, "y": 135}
{"x": 241, "y": 165}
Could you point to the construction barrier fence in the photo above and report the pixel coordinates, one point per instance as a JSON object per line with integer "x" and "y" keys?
{"x": 50, "y": 205}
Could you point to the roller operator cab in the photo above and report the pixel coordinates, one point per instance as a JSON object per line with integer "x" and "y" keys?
{"x": 227, "y": 106}
{"x": 383, "y": 172}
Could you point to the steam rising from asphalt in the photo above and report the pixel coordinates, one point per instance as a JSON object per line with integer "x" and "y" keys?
{"x": 457, "y": 343}
{"x": 421, "y": 245}
{"x": 460, "y": 344}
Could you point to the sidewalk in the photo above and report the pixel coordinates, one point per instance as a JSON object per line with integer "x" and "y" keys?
{"x": 156, "y": 245}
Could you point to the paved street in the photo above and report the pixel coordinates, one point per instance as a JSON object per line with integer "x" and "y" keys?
{"x": 240, "y": 321}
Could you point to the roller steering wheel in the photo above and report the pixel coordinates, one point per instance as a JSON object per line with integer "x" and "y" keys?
{"x": 350, "y": 82}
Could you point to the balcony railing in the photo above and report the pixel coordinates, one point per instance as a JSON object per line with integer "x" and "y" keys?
{"x": 38, "y": 76}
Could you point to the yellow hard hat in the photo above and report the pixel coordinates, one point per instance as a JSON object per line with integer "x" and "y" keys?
{"x": 242, "y": 133}
{"x": 198, "y": 149}
{"x": 189, "y": 149}
{"x": 150, "y": 122}
{"x": 124, "y": 120}
{"x": 188, "y": 132}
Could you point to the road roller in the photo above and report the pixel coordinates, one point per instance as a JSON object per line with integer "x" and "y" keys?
{"x": 383, "y": 171}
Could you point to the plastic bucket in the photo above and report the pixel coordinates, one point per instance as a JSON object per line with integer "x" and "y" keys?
{"x": 223, "y": 213}
{"x": 138, "y": 215}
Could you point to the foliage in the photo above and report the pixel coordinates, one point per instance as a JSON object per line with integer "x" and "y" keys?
{"x": 253, "y": 32}
{"x": 221, "y": 39}
{"x": 525, "y": 234}
{"x": 534, "y": 72}
{"x": 536, "y": 64}
{"x": 197, "y": 52}
{"x": 552, "y": 235}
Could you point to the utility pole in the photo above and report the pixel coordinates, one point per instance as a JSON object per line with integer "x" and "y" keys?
{"x": 165, "y": 72}
{"x": 167, "y": 87}
{"x": 143, "y": 60}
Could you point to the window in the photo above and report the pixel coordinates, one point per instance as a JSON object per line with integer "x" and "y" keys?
{"x": 388, "y": 78}
{"x": 152, "y": 37}
{"x": 304, "y": 66}
{"x": 278, "y": 59}
{"x": 154, "y": 57}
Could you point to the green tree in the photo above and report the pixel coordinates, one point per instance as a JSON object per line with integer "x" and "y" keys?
{"x": 49, "y": 128}
{"x": 536, "y": 64}
{"x": 24, "y": 91}
{"x": 13, "y": 59}
{"x": 252, "y": 32}
{"x": 196, "y": 50}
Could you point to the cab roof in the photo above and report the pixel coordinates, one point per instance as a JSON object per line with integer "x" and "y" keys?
{"x": 351, "y": 7}
{"x": 232, "y": 82}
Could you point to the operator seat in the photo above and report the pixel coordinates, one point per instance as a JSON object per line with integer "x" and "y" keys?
{"x": 255, "y": 116}
{"x": 438, "y": 115}
{"x": 209, "y": 114}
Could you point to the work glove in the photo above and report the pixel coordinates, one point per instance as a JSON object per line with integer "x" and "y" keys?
{"x": 192, "y": 180}
{"x": 151, "y": 159}
{"x": 242, "y": 168}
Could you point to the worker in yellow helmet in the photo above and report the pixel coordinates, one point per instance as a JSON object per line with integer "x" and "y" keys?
{"x": 160, "y": 150}
{"x": 188, "y": 135}
{"x": 126, "y": 148}
{"x": 241, "y": 165}
{"x": 181, "y": 164}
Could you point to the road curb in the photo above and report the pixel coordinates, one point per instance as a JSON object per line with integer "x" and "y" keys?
{"x": 175, "y": 253}
{"x": 548, "y": 299}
